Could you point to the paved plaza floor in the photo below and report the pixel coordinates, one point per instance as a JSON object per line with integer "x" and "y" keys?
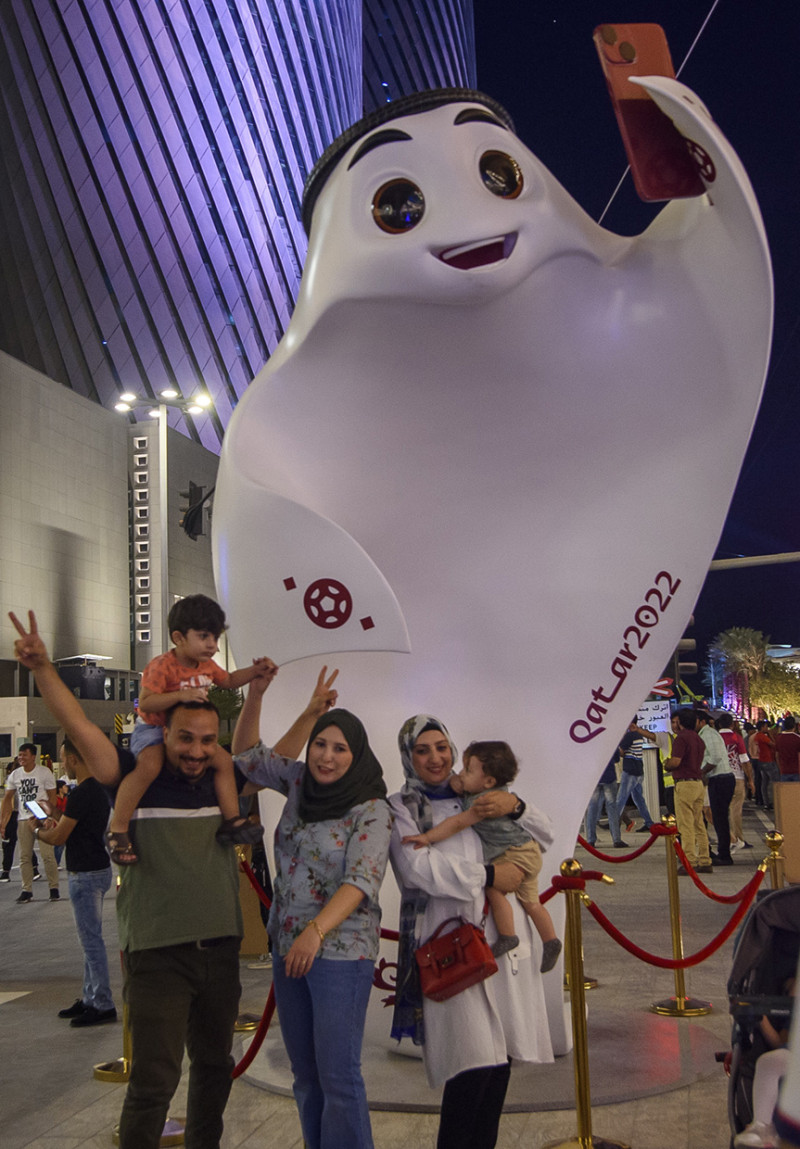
{"x": 655, "y": 1083}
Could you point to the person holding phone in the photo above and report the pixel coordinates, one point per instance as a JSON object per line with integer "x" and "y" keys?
{"x": 81, "y": 827}
{"x": 30, "y": 782}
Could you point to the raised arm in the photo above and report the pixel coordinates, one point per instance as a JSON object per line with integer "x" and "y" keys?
{"x": 90, "y": 741}
{"x": 323, "y": 697}
{"x": 248, "y": 726}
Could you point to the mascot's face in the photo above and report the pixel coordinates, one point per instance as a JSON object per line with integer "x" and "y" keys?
{"x": 447, "y": 206}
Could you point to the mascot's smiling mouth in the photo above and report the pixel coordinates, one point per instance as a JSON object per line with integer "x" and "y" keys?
{"x": 480, "y": 253}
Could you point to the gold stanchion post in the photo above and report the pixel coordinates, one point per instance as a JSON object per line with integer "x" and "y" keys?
{"x": 774, "y": 841}
{"x": 588, "y": 982}
{"x": 571, "y": 868}
{"x": 680, "y": 1005}
{"x": 120, "y": 1069}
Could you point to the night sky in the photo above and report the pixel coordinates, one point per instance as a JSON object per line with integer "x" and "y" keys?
{"x": 538, "y": 59}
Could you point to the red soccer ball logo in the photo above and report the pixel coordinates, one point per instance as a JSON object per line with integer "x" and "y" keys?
{"x": 328, "y": 603}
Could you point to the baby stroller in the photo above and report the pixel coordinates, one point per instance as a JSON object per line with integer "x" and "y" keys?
{"x": 765, "y": 957}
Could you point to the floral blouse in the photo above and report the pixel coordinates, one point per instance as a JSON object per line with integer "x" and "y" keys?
{"x": 313, "y": 859}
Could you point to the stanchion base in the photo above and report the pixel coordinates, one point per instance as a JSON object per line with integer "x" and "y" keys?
{"x": 681, "y": 1007}
{"x": 245, "y": 1022}
{"x": 588, "y": 983}
{"x": 587, "y": 1143}
{"x": 171, "y": 1135}
{"x": 113, "y": 1071}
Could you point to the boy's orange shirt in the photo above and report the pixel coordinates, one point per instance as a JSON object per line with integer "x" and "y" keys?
{"x": 164, "y": 674}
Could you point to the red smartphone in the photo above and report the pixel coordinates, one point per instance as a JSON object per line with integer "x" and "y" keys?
{"x": 661, "y": 163}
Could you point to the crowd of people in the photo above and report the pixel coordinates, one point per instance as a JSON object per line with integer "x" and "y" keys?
{"x": 713, "y": 763}
{"x": 337, "y": 833}
{"x": 458, "y": 842}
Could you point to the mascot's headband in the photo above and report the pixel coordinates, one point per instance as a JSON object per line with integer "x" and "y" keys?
{"x": 406, "y": 106}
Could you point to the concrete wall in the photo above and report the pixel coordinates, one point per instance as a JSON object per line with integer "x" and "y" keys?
{"x": 63, "y": 516}
{"x": 65, "y": 525}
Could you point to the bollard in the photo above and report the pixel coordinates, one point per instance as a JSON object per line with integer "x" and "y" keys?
{"x": 580, "y": 1054}
{"x": 774, "y": 841}
{"x": 680, "y": 1005}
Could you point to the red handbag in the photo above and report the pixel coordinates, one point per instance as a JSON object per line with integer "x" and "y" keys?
{"x": 449, "y": 963}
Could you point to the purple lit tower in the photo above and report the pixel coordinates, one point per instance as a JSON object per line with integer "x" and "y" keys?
{"x": 153, "y": 159}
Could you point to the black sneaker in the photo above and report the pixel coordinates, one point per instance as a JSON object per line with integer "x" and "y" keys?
{"x": 92, "y": 1016}
{"x": 25, "y": 896}
{"x": 74, "y": 1010}
{"x": 36, "y": 875}
{"x": 55, "y": 896}
{"x": 644, "y": 829}
{"x": 620, "y": 845}
{"x": 4, "y": 876}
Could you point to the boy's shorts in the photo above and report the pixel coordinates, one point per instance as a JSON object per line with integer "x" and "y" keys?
{"x": 145, "y": 735}
{"x": 529, "y": 860}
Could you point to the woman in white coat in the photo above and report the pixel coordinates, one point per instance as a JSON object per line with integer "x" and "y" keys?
{"x": 468, "y": 1041}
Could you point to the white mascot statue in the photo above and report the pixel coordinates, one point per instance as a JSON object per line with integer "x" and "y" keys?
{"x": 486, "y": 469}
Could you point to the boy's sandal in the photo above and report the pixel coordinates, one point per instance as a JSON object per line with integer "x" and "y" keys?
{"x": 120, "y": 848}
{"x": 240, "y": 832}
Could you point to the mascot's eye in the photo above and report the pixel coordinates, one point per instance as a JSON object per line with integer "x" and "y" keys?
{"x": 398, "y": 206}
{"x": 501, "y": 174}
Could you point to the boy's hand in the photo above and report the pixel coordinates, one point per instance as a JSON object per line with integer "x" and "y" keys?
{"x": 419, "y": 841}
{"x": 265, "y": 668}
{"x": 29, "y": 648}
{"x": 324, "y": 696}
{"x": 194, "y": 694}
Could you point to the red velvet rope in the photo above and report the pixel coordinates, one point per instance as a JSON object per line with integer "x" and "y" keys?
{"x": 748, "y": 894}
{"x": 656, "y": 831}
{"x": 258, "y": 1036}
{"x": 725, "y": 899}
{"x": 560, "y": 882}
{"x": 247, "y": 869}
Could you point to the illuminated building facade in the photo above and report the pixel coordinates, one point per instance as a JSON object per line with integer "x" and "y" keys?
{"x": 153, "y": 159}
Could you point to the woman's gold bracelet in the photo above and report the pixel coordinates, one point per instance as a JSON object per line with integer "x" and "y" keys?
{"x": 316, "y": 926}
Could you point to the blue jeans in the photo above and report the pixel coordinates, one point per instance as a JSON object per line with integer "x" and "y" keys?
{"x": 145, "y": 735}
{"x": 630, "y": 786}
{"x": 603, "y": 791}
{"x": 322, "y": 1019}
{"x": 87, "y": 888}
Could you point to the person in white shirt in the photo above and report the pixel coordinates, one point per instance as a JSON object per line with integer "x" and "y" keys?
{"x": 30, "y": 782}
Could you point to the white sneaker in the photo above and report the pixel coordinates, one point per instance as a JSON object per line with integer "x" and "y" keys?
{"x": 736, "y": 846}
{"x": 756, "y": 1136}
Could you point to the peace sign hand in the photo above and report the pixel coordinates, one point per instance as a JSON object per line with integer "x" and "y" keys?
{"x": 29, "y": 648}
{"x": 323, "y": 696}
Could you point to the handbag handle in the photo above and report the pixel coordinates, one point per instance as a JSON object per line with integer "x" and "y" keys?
{"x": 458, "y": 921}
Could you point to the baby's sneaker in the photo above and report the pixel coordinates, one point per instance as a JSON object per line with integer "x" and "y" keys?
{"x": 550, "y": 952}
{"x": 504, "y": 944}
{"x": 240, "y": 832}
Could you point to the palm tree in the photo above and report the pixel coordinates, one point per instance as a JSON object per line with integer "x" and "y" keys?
{"x": 740, "y": 653}
{"x": 228, "y": 703}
